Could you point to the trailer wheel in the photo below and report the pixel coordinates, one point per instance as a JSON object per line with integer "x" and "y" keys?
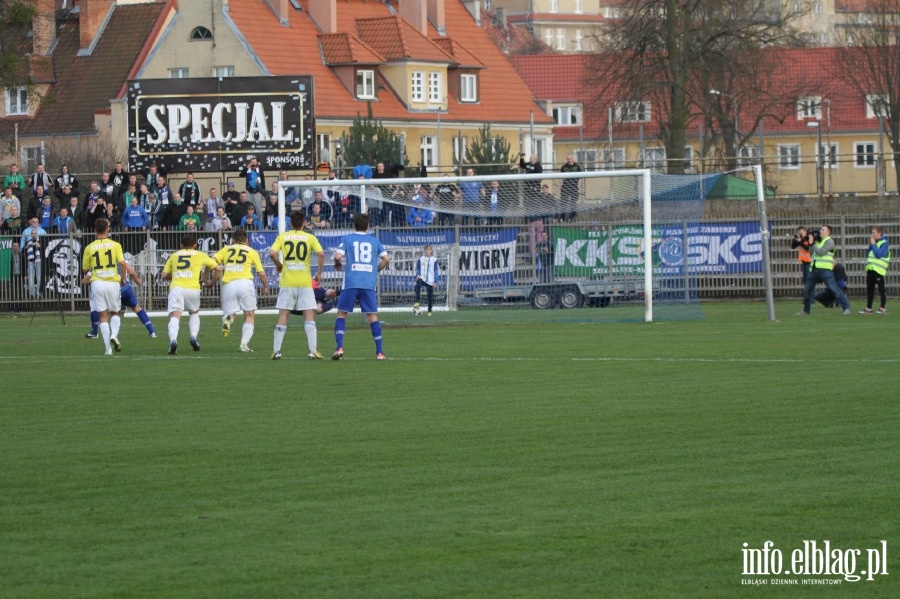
{"x": 543, "y": 299}
{"x": 571, "y": 297}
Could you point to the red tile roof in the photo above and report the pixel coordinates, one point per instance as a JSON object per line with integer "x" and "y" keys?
{"x": 504, "y": 97}
{"x": 395, "y": 39}
{"x": 343, "y": 49}
{"x": 461, "y": 56}
{"x": 566, "y": 78}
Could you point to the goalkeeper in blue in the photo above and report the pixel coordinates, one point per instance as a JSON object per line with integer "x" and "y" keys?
{"x": 366, "y": 257}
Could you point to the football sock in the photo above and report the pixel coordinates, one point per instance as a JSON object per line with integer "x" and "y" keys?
{"x": 312, "y": 336}
{"x": 376, "y": 335}
{"x": 104, "y": 332}
{"x": 173, "y": 329}
{"x": 339, "y": 327}
{"x": 279, "y": 336}
{"x": 95, "y": 321}
{"x": 194, "y": 325}
{"x": 246, "y": 333}
{"x": 115, "y": 323}
{"x": 145, "y": 320}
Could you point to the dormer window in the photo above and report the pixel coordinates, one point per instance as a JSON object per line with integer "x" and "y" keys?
{"x": 365, "y": 84}
{"x": 809, "y": 108}
{"x": 16, "y": 101}
{"x": 201, "y": 34}
{"x": 633, "y": 112}
{"x": 417, "y": 86}
{"x": 435, "y": 87}
{"x": 468, "y": 88}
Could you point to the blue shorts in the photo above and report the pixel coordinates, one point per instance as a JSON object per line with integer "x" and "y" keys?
{"x": 129, "y": 299}
{"x": 368, "y": 303}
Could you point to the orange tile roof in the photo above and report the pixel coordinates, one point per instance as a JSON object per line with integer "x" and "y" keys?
{"x": 342, "y": 49}
{"x": 461, "y": 56}
{"x": 504, "y": 97}
{"x": 395, "y": 39}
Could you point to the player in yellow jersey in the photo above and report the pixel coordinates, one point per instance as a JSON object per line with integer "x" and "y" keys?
{"x": 184, "y": 269}
{"x": 236, "y": 265}
{"x": 295, "y": 284}
{"x": 105, "y": 260}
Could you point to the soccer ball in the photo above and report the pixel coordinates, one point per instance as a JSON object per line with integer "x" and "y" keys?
{"x": 416, "y": 311}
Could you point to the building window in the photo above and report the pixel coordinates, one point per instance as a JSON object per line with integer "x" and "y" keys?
{"x": 579, "y": 7}
{"x": 16, "y": 101}
{"x": 613, "y": 159}
{"x": 201, "y": 34}
{"x": 429, "y": 150}
{"x": 323, "y": 147}
{"x": 654, "y": 158}
{"x": 459, "y": 150}
{"x": 417, "y": 81}
{"x": 468, "y": 88}
{"x": 587, "y": 159}
{"x": 554, "y": 6}
{"x": 578, "y": 42}
{"x": 748, "y": 155}
{"x": 179, "y": 73}
{"x": 829, "y": 155}
{"x": 541, "y": 148}
{"x": 865, "y": 154}
{"x": 817, "y": 8}
{"x": 789, "y": 156}
{"x": 548, "y": 37}
{"x": 365, "y": 84}
{"x": 567, "y": 114}
{"x": 435, "y": 87}
{"x": 633, "y": 112}
{"x": 809, "y": 108}
{"x": 222, "y": 72}
{"x": 688, "y": 158}
{"x": 877, "y": 105}
{"x": 560, "y": 39}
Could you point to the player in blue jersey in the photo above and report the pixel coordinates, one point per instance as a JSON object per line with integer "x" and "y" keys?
{"x": 129, "y": 300}
{"x": 366, "y": 257}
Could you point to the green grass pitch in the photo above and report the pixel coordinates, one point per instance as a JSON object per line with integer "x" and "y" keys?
{"x": 535, "y": 460}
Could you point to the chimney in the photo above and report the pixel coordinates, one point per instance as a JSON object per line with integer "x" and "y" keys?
{"x": 415, "y": 13}
{"x": 93, "y": 15}
{"x": 324, "y": 15}
{"x": 436, "y": 14}
{"x": 474, "y": 8}
{"x": 280, "y": 8}
{"x": 43, "y": 27}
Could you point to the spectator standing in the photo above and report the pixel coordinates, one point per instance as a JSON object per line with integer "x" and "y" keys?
{"x": 37, "y": 199}
{"x": 571, "y": 188}
{"x": 801, "y": 243}
{"x": 154, "y": 210}
{"x": 40, "y": 178}
{"x": 76, "y": 211}
{"x": 532, "y": 167}
{"x": 15, "y": 180}
{"x": 877, "y": 261}
{"x": 173, "y": 212}
{"x": 190, "y": 191}
{"x": 232, "y": 198}
{"x": 46, "y": 213}
{"x": 65, "y": 178}
{"x": 220, "y": 221}
{"x": 318, "y": 214}
{"x": 213, "y": 203}
{"x": 12, "y": 224}
{"x": 544, "y": 250}
{"x": 163, "y": 191}
{"x": 446, "y": 195}
{"x": 135, "y": 218}
{"x": 472, "y": 194}
{"x": 256, "y": 182}
{"x": 9, "y": 202}
{"x": 34, "y": 257}
{"x": 419, "y": 215}
{"x": 251, "y": 220}
{"x": 63, "y": 223}
{"x": 119, "y": 179}
{"x": 189, "y": 216}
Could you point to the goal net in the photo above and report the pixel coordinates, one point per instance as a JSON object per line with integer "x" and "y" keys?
{"x": 587, "y": 246}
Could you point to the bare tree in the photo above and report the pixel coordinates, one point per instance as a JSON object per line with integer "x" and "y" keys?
{"x": 671, "y": 53}
{"x": 870, "y": 64}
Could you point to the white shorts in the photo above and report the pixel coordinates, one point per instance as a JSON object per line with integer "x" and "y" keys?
{"x": 183, "y": 300}
{"x": 296, "y": 298}
{"x": 238, "y": 296}
{"x": 106, "y": 296}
